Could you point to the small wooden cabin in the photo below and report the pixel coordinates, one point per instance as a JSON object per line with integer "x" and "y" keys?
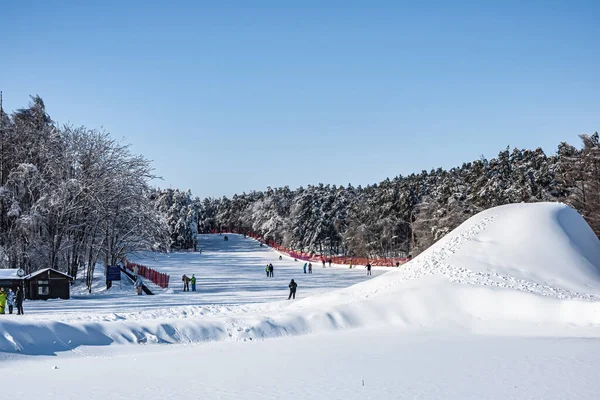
{"x": 48, "y": 284}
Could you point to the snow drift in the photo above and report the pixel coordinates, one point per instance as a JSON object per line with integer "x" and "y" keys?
{"x": 516, "y": 269}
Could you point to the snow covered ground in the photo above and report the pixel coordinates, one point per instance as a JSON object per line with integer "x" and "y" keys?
{"x": 506, "y": 306}
{"x": 392, "y": 364}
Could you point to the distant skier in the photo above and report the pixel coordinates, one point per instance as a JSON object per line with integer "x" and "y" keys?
{"x": 330, "y": 263}
{"x": 323, "y": 260}
{"x": 350, "y": 263}
{"x": 200, "y": 250}
{"x": 293, "y": 285}
{"x": 138, "y": 285}
{"x": 2, "y": 300}
{"x": 186, "y": 283}
{"x": 268, "y": 270}
{"x": 304, "y": 268}
{"x": 280, "y": 258}
{"x": 193, "y": 282}
{"x": 368, "y": 267}
{"x": 310, "y": 268}
{"x": 20, "y": 297}
{"x": 11, "y": 300}
{"x": 271, "y": 269}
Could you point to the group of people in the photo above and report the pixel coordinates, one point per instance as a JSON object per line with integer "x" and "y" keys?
{"x": 186, "y": 283}
{"x": 11, "y": 299}
{"x": 309, "y": 267}
{"x": 269, "y": 270}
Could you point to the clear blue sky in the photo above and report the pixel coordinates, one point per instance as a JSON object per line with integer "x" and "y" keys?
{"x": 231, "y": 96}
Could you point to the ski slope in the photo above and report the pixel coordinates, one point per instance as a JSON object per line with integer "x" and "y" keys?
{"x": 499, "y": 308}
{"x": 228, "y": 274}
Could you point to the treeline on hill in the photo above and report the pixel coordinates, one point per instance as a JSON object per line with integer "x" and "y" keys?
{"x": 399, "y": 216}
{"x": 71, "y": 197}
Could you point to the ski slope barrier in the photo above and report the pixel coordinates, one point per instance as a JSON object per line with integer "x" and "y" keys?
{"x": 525, "y": 269}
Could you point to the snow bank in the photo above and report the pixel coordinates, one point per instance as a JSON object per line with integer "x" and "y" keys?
{"x": 526, "y": 269}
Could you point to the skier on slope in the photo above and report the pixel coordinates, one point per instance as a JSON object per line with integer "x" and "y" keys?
{"x": 268, "y": 270}
{"x": 293, "y": 285}
{"x": 304, "y": 268}
{"x": 330, "y": 263}
{"x": 138, "y": 285}
{"x": 323, "y": 260}
{"x": 186, "y": 283}
{"x": 193, "y": 281}
{"x": 271, "y": 269}
{"x": 368, "y": 267}
{"x": 310, "y": 268}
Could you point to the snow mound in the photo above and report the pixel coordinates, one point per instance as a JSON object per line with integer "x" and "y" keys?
{"x": 542, "y": 248}
{"x": 546, "y": 244}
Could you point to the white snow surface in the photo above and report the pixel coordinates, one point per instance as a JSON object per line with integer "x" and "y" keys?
{"x": 506, "y": 306}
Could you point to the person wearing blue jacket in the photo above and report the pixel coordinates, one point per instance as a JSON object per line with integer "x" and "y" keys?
{"x": 304, "y": 268}
{"x": 11, "y": 300}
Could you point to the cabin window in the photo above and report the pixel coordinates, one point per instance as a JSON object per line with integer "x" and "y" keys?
{"x": 43, "y": 290}
{"x": 42, "y": 282}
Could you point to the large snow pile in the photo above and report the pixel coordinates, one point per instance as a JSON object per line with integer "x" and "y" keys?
{"x": 516, "y": 269}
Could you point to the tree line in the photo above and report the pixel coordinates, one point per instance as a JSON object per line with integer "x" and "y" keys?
{"x": 398, "y": 216}
{"x": 71, "y": 197}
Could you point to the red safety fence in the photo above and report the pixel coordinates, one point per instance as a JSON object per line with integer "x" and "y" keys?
{"x": 315, "y": 257}
{"x": 158, "y": 278}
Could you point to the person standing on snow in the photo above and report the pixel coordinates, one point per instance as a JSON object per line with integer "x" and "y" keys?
{"x": 330, "y": 263}
{"x": 186, "y": 283}
{"x": 323, "y": 262}
{"x": 368, "y": 267}
{"x": 293, "y": 285}
{"x": 20, "y": 297}
{"x": 268, "y": 270}
{"x": 271, "y": 269}
{"x": 138, "y": 285}
{"x": 11, "y": 300}
{"x": 2, "y": 300}
{"x": 193, "y": 281}
{"x": 304, "y": 268}
{"x": 350, "y": 263}
{"x": 310, "y": 268}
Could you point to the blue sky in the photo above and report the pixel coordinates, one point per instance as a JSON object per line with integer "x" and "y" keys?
{"x": 228, "y": 96}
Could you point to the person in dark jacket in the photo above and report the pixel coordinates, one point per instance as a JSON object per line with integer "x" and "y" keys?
{"x": 280, "y": 258}
{"x": 310, "y": 268}
{"x": 271, "y": 269}
{"x": 20, "y": 296}
{"x": 368, "y": 267}
{"x": 323, "y": 260}
{"x": 293, "y": 285}
{"x": 330, "y": 263}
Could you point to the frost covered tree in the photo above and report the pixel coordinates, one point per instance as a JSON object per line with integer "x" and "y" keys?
{"x": 407, "y": 214}
{"x": 71, "y": 197}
